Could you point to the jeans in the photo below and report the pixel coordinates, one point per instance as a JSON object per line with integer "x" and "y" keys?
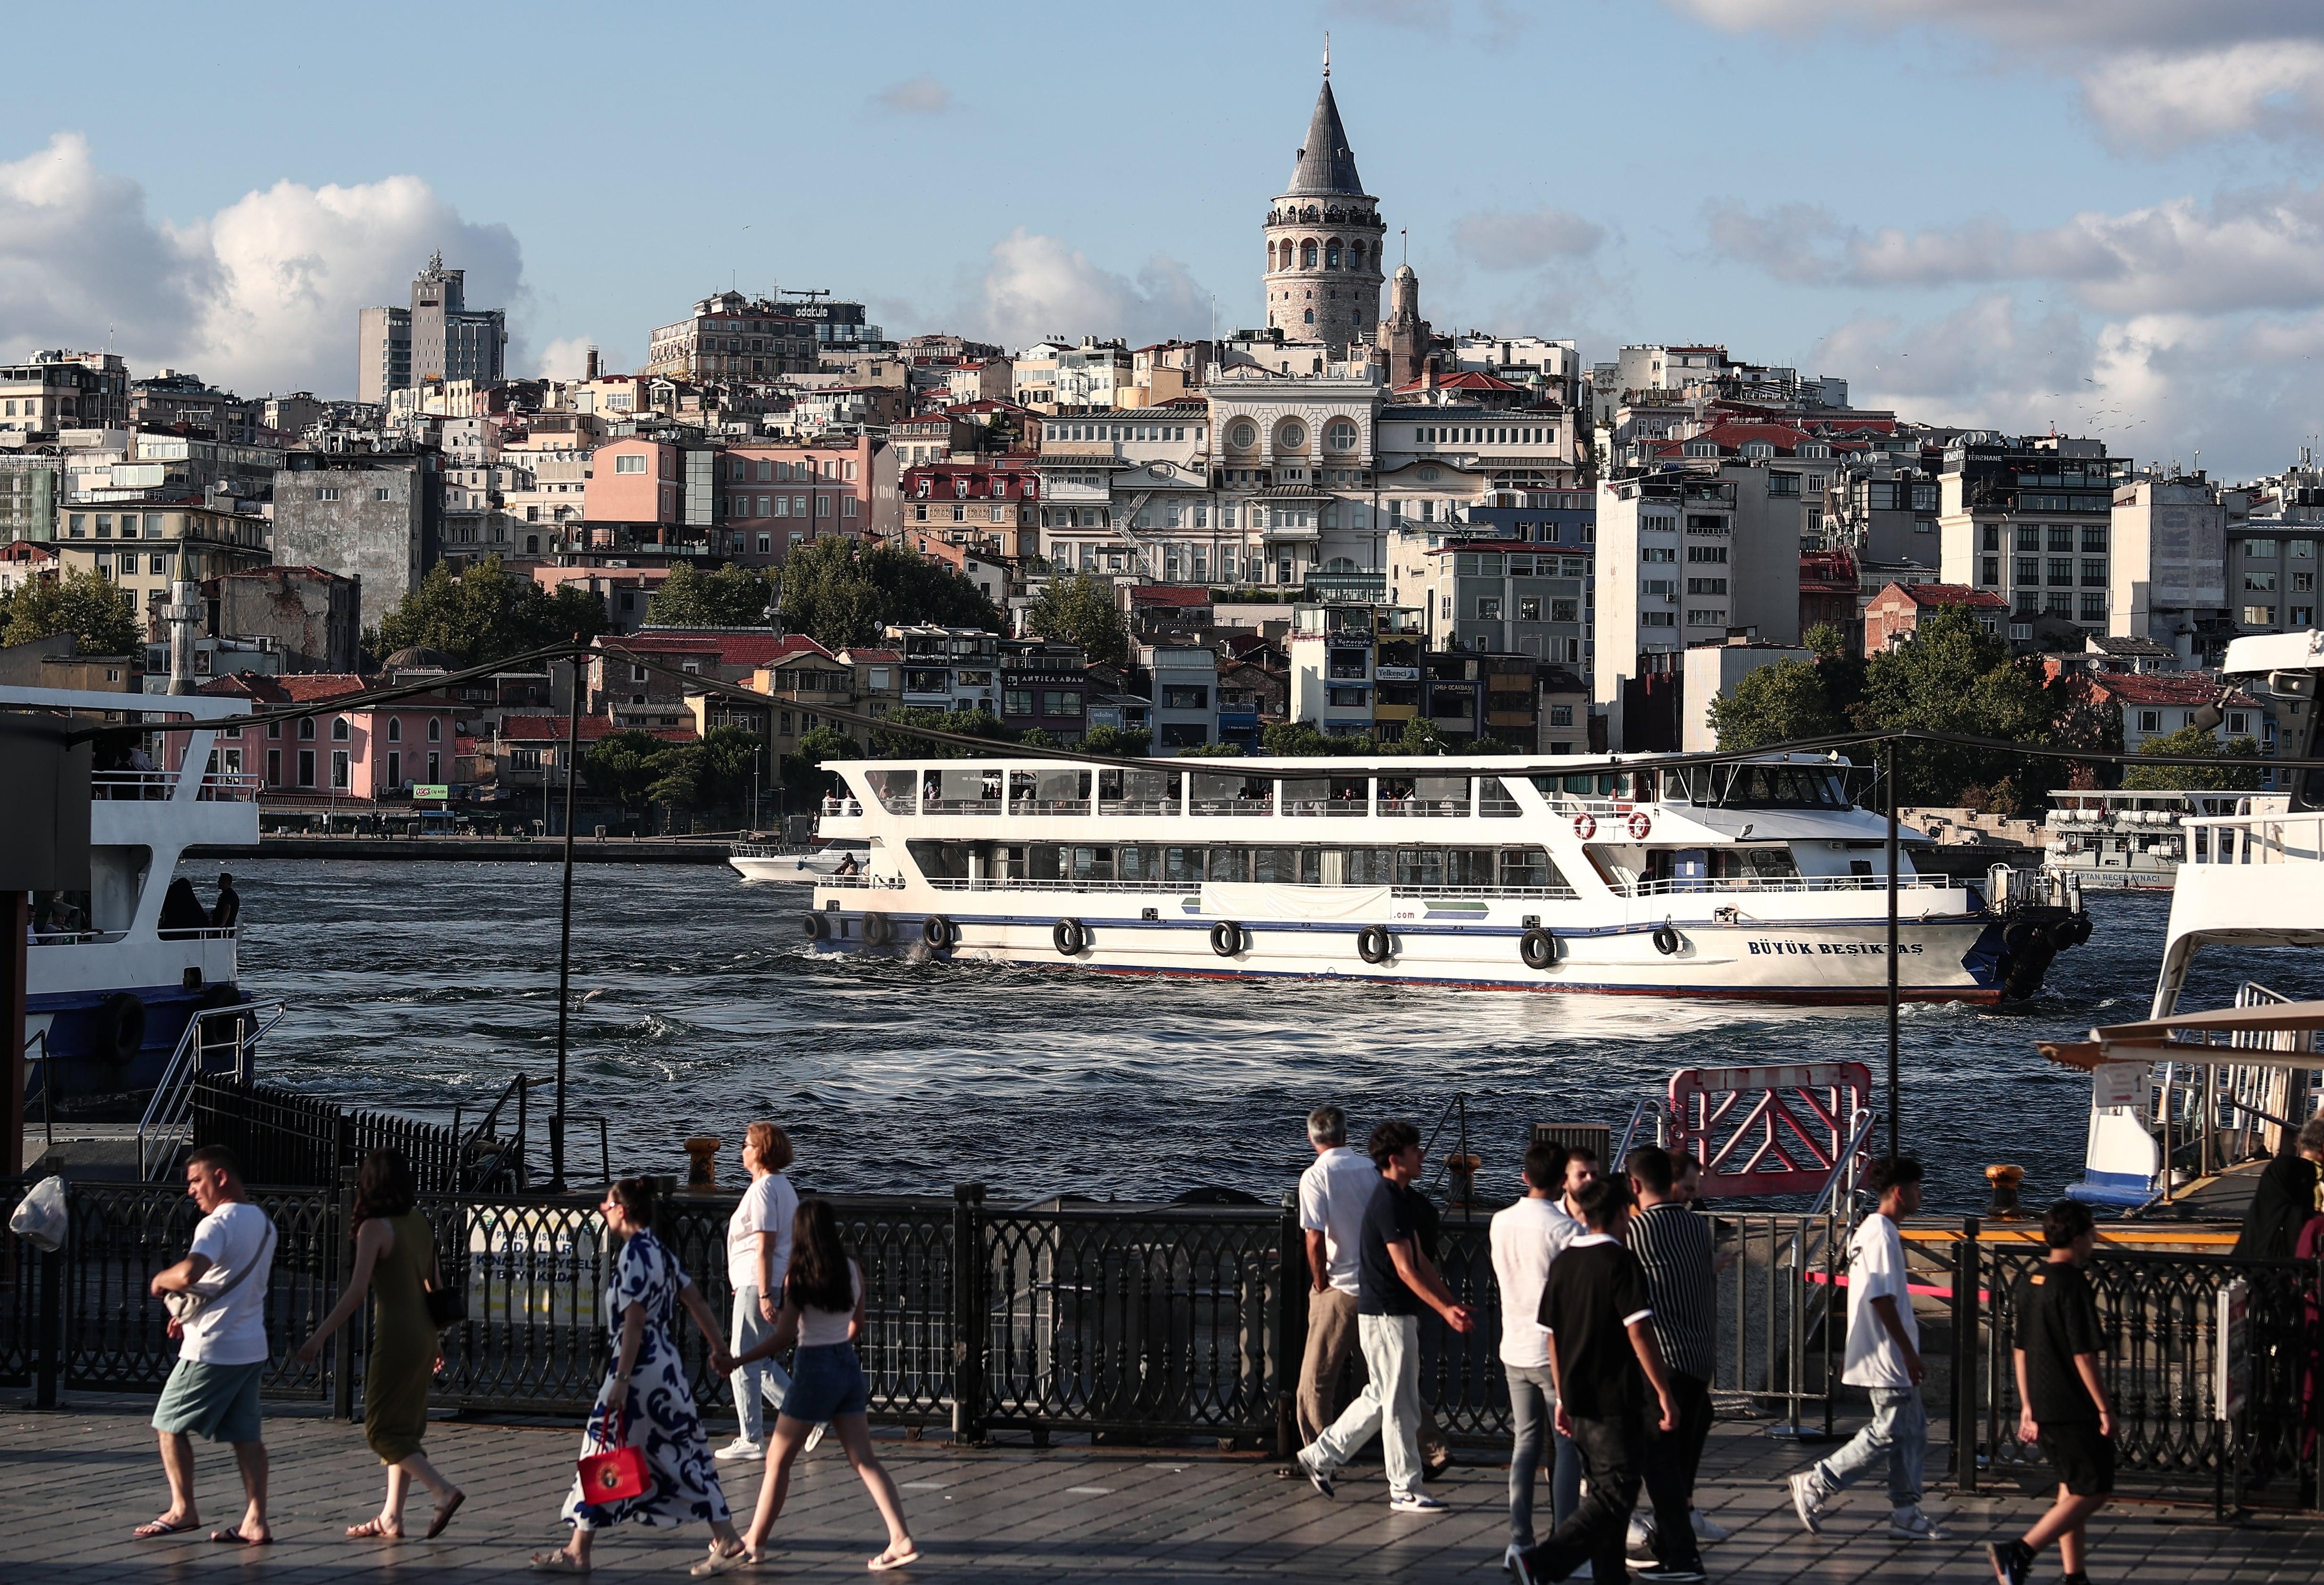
{"x": 1672, "y": 1458}
{"x": 1389, "y": 1405}
{"x": 762, "y": 1381}
{"x": 1611, "y": 1453}
{"x": 1532, "y": 1400}
{"x": 1330, "y": 1338}
{"x": 1897, "y": 1436}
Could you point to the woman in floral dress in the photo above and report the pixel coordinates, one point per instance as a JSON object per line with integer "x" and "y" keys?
{"x": 647, "y": 1399}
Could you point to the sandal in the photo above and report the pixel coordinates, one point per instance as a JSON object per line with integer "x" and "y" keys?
{"x": 444, "y": 1512}
{"x": 560, "y": 1561}
{"x": 371, "y": 1528}
{"x": 718, "y": 1562}
{"x": 237, "y": 1538}
{"x": 893, "y": 1559}
{"x": 164, "y": 1527}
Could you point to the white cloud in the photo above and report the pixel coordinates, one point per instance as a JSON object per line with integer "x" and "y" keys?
{"x": 2258, "y": 248}
{"x": 919, "y": 95}
{"x": 565, "y": 358}
{"x": 1037, "y": 287}
{"x": 260, "y": 296}
{"x": 2155, "y": 75}
{"x": 1524, "y": 239}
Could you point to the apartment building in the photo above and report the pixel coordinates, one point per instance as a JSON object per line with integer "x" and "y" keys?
{"x": 2170, "y": 577}
{"x": 62, "y": 390}
{"x": 438, "y": 336}
{"x": 2032, "y": 521}
{"x": 377, "y": 517}
{"x": 1500, "y": 596}
{"x": 1332, "y": 688}
{"x": 1044, "y": 687}
{"x": 993, "y": 506}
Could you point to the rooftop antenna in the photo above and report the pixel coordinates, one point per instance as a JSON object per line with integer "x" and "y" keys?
{"x": 1406, "y": 237}
{"x": 1327, "y": 55}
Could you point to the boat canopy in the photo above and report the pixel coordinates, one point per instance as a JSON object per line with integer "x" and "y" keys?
{"x": 2244, "y": 1035}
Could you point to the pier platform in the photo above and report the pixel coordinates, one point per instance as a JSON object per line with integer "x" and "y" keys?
{"x": 475, "y": 850}
{"x": 78, "y": 1478}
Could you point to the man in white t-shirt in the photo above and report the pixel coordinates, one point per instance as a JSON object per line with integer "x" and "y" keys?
{"x": 213, "y": 1388}
{"x": 1333, "y": 1194}
{"x": 758, "y": 1256}
{"x": 1883, "y": 1356}
{"x": 1526, "y": 1238}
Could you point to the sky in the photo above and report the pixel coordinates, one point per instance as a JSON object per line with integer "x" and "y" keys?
{"x": 2103, "y": 216}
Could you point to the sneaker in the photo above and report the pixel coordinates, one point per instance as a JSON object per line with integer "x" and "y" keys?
{"x": 814, "y": 1437}
{"x": 2013, "y": 1562}
{"x": 1706, "y": 1528}
{"x": 1671, "y": 1574}
{"x": 1416, "y": 1502}
{"x": 741, "y": 1447}
{"x": 1639, "y": 1546}
{"x": 1513, "y": 1559}
{"x": 1806, "y": 1503}
{"x": 1913, "y": 1524}
{"x": 1315, "y": 1477}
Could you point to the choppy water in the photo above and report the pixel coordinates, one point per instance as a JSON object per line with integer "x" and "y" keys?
{"x": 417, "y": 985}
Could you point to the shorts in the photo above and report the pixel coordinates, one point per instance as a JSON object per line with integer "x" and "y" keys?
{"x": 2082, "y": 1458}
{"x": 217, "y": 1402}
{"x": 826, "y": 1382}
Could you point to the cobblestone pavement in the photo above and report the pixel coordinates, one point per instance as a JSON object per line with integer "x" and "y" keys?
{"x": 73, "y": 1483}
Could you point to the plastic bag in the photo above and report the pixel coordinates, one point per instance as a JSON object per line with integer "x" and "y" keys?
{"x": 40, "y": 1219}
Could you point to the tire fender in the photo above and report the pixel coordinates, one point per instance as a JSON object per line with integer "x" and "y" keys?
{"x": 878, "y": 929}
{"x": 1374, "y": 944}
{"x": 938, "y": 931}
{"x": 1667, "y": 941}
{"x": 1228, "y": 938}
{"x": 1538, "y": 948}
{"x": 815, "y": 927}
{"x": 120, "y": 1028}
{"x": 1070, "y": 936}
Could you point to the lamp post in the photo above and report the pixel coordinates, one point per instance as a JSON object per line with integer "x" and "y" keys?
{"x": 1895, "y": 1102}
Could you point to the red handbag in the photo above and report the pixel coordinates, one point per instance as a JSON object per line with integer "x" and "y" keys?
{"x": 617, "y": 1474}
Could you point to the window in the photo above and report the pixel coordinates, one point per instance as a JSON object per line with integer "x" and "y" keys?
{"x": 339, "y": 730}
{"x": 1658, "y": 618}
{"x": 2061, "y": 536}
{"x": 2259, "y": 616}
{"x": 1016, "y": 701}
{"x": 2029, "y": 536}
{"x": 395, "y": 770}
{"x": 274, "y": 764}
{"x": 328, "y": 493}
{"x": 2029, "y": 570}
{"x": 2150, "y": 720}
{"x": 1706, "y": 586}
{"x": 434, "y": 730}
{"x": 1528, "y": 608}
{"x": 395, "y": 729}
{"x": 1992, "y": 536}
{"x": 379, "y": 492}
{"x": 2239, "y": 721}
{"x": 629, "y": 464}
{"x": 306, "y": 767}
{"x": 1989, "y": 570}
{"x": 1706, "y": 553}
{"x": 2260, "y": 582}
{"x": 1707, "y": 618}
{"x": 1657, "y": 553}
{"x": 2093, "y": 537}
{"x": 1176, "y": 697}
{"x": 2093, "y": 572}
{"x": 2094, "y": 607}
{"x": 2259, "y": 549}
{"x": 1489, "y": 607}
{"x": 1564, "y": 610}
{"x": 2061, "y": 570}
{"x": 1340, "y": 435}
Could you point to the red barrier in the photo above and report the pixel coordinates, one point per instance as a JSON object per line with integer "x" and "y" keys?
{"x": 1771, "y": 1130}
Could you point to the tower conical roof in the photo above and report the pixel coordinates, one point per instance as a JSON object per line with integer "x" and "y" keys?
{"x": 1326, "y": 163}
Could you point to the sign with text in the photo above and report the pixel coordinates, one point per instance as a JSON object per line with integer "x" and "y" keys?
{"x": 429, "y": 790}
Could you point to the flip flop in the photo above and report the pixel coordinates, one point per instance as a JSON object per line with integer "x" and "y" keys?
{"x": 890, "y": 1560}
{"x": 444, "y": 1515}
{"x": 237, "y": 1538}
{"x": 163, "y": 1527}
{"x": 557, "y": 1563}
{"x": 718, "y": 1562}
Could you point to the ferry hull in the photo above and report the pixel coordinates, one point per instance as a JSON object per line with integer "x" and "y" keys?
{"x": 92, "y": 1083}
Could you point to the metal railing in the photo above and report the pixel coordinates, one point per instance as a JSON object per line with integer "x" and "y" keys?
{"x": 167, "y": 1117}
{"x": 1805, "y": 883}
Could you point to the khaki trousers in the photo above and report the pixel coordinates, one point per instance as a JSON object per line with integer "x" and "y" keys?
{"x": 1330, "y": 1338}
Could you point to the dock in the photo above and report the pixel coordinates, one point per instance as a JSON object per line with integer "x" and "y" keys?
{"x": 483, "y": 850}
{"x": 83, "y": 1475}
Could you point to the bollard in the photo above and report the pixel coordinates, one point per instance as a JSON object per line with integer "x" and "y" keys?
{"x": 1461, "y": 1174}
{"x": 2004, "y": 1181}
{"x": 702, "y": 1164}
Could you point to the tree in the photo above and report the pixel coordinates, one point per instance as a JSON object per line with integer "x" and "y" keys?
{"x": 1302, "y": 738}
{"x": 625, "y": 766}
{"x": 803, "y": 766}
{"x": 1080, "y": 610}
{"x": 1419, "y": 737}
{"x": 728, "y": 757}
{"x": 1955, "y": 676}
{"x": 732, "y": 597}
{"x": 1781, "y": 703}
{"x": 2196, "y": 743}
{"x": 840, "y": 591}
{"x": 486, "y": 614}
{"x": 1116, "y": 742}
{"x": 1213, "y": 751}
{"x": 99, "y": 613}
{"x": 889, "y": 744}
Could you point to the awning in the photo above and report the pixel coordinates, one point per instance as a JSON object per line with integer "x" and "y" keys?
{"x": 2156, "y": 1039}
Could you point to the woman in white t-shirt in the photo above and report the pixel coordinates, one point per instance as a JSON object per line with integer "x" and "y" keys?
{"x": 758, "y": 1254}
{"x": 823, "y": 1310}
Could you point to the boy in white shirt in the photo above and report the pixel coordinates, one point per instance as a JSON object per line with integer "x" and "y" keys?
{"x": 1526, "y": 1236}
{"x": 1884, "y": 1357}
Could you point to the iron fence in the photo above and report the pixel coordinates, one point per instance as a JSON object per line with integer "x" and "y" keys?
{"x": 282, "y": 1137}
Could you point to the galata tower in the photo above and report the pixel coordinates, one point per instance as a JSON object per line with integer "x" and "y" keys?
{"x": 1323, "y": 241}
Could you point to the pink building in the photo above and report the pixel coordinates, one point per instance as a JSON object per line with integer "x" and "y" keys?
{"x": 773, "y": 496}
{"x": 360, "y": 755}
{"x": 632, "y": 481}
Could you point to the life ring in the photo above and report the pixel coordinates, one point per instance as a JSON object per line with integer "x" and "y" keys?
{"x": 1585, "y": 826}
{"x": 1641, "y": 822}
{"x": 1228, "y": 938}
{"x": 1538, "y": 948}
{"x": 1667, "y": 941}
{"x": 1374, "y": 944}
{"x": 878, "y": 929}
{"x": 1070, "y": 936}
{"x": 938, "y": 931}
{"x": 120, "y": 1028}
{"x": 815, "y": 927}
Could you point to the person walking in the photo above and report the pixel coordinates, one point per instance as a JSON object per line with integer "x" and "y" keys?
{"x": 1526, "y": 1237}
{"x": 2063, "y": 1397}
{"x": 823, "y": 1313}
{"x": 757, "y": 1255}
{"x": 2284, "y": 1197}
{"x": 1687, "y": 1188}
{"x": 1393, "y": 1278}
{"x": 1884, "y": 1357}
{"x": 1603, "y": 1358}
{"x": 1674, "y": 1249}
{"x": 395, "y": 1263}
{"x": 645, "y": 1403}
{"x": 1335, "y": 1192}
{"x": 213, "y": 1388}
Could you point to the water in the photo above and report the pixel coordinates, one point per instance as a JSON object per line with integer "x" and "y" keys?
{"x": 415, "y": 986}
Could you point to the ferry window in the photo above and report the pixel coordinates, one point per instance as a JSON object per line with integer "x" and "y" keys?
{"x": 1528, "y": 867}
{"x": 1307, "y": 794}
{"x": 1754, "y": 864}
{"x": 1131, "y": 863}
{"x": 1183, "y": 866}
{"x": 893, "y": 789}
{"x": 1445, "y": 796}
{"x": 1369, "y": 867}
{"x": 1275, "y": 866}
{"x": 960, "y": 789}
{"x": 1225, "y": 794}
{"x": 1093, "y": 863}
{"x": 1227, "y": 864}
{"x": 1138, "y": 791}
{"x": 1493, "y": 800}
{"x": 1781, "y": 787}
{"x": 940, "y": 860}
{"x": 1060, "y": 787}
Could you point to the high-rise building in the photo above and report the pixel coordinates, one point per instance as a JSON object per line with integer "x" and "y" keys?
{"x": 439, "y": 337}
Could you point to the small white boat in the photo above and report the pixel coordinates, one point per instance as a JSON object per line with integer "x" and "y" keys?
{"x": 770, "y": 861}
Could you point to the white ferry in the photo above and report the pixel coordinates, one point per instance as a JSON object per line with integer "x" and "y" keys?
{"x": 2252, "y": 873}
{"x": 112, "y": 976}
{"x": 1623, "y": 874}
{"x": 2132, "y": 840}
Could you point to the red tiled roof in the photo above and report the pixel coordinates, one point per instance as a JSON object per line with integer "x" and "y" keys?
{"x": 1463, "y": 380}
{"x": 1945, "y": 594}
{"x": 1161, "y": 594}
{"x": 2163, "y": 687}
{"x": 872, "y": 657}
{"x": 310, "y": 688}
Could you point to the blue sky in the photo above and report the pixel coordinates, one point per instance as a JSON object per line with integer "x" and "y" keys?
{"x": 2103, "y": 216}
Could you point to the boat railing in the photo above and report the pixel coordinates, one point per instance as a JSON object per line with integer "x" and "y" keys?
{"x": 1424, "y": 808}
{"x": 1138, "y": 806}
{"x": 1327, "y": 806}
{"x": 1424, "y": 891}
{"x": 1804, "y": 883}
{"x": 1056, "y": 884}
{"x": 1037, "y": 807}
{"x": 767, "y": 850}
{"x": 77, "y": 938}
{"x": 159, "y": 786}
{"x": 1233, "y": 806}
{"x": 2259, "y": 837}
{"x": 168, "y": 1121}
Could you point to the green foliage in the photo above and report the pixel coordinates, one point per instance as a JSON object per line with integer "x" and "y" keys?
{"x": 637, "y": 770}
{"x": 624, "y": 766}
{"x": 839, "y": 591}
{"x": 1080, "y": 610}
{"x": 1213, "y": 751}
{"x": 727, "y": 756}
{"x": 1955, "y": 676}
{"x": 978, "y": 723}
{"x": 2195, "y": 743}
{"x": 487, "y": 614}
{"x": 1116, "y": 742}
{"x": 803, "y": 769}
{"x": 732, "y": 597}
{"x": 1826, "y": 640}
{"x": 1783, "y": 703}
{"x": 1034, "y": 738}
{"x": 1419, "y": 737}
{"x": 1302, "y": 738}
{"x": 99, "y": 613}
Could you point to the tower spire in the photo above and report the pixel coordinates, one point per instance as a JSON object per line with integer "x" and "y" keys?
{"x": 1327, "y": 54}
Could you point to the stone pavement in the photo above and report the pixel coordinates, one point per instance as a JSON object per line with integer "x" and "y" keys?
{"x": 73, "y": 1483}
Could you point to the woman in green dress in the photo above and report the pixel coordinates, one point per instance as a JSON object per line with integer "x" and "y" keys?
{"x": 395, "y": 1261}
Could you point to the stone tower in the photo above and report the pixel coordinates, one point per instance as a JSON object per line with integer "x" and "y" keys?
{"x": 1405, "y": 338}
{"x": 1323, "y": 241}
